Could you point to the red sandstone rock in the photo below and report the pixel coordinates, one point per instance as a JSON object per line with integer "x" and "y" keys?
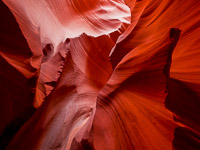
{"x": 103, "y": 74}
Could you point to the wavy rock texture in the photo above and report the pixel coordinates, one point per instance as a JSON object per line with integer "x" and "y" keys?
{"x": 100, "y": 74}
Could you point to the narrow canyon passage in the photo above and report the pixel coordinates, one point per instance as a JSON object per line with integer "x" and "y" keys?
{"x": 100, "y": 75}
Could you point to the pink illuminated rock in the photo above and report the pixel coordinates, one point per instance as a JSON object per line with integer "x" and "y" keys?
{"x": 105, "y": 75}
{"x": 44, "y": 22}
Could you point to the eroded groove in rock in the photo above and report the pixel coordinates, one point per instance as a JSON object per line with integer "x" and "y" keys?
{"x": 102, "y": 74}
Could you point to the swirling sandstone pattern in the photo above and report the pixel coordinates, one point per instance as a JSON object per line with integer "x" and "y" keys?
{"x": 100, "y": 74}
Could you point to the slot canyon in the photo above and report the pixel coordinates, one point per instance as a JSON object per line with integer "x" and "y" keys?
{"x": 100, "y": 75}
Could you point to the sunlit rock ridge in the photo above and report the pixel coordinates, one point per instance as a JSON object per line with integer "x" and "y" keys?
{"x": 100, "y": 75}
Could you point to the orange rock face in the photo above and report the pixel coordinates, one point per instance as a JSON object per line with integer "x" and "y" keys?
{"x": 100, "y": 75}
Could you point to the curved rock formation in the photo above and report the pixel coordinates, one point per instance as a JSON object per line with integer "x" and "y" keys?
{"x": 100, "y": 74}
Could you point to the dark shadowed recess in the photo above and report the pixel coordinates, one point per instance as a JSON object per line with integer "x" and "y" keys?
{"x": 185, "y": 104}
{"x": 11, "y": 39}
{"x": 83, "y": 145}
{"x": 16, "y": 91}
